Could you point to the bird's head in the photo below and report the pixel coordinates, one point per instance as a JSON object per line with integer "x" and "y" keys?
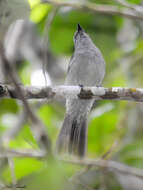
{"x": 81, "y": 38}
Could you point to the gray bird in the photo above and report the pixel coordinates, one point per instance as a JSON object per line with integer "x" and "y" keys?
{"x": 87, "y": 68}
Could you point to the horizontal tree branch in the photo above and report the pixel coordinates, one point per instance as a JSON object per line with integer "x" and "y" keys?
{"x": 108, "y": 164}
{"x": 98, "y": 8}
{"x": 97, "y": 93}
{"x": 10, "y": 153}
{"x": 137, "y": 8}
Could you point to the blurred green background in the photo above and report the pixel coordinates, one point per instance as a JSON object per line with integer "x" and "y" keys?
{"x": 117, "y": 124}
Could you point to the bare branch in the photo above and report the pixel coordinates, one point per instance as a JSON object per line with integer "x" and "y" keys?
{"x": 98, "y": 8}
{"x": 12, "y": 171}
{"x": 109, "y": 165}
{"x": 49, "y": 21}
{"x": 37, "y": 126}
{"x": 14, "y": 130}
{"x": 82, "y": 184}
{"x": 54, "y": 92}
{"x": 131, "y": 6}
{"x": 17, "y": 186}
{"x": 10, "y": 153}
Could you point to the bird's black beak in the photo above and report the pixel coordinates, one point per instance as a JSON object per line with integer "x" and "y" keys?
{"x": 79, "y": 28}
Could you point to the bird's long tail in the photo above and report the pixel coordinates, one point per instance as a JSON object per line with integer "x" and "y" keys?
{"x": 73, "y": 134}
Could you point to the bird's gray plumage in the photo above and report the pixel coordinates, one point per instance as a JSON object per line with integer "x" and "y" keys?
{"x": 87, "y": 68}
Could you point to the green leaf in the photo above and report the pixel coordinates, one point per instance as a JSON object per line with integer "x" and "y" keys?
{"x": 8, "y": 105}
{"x": 39, "y": 12}
{"x": 101, "y": 133}
{"x": 24, "y": 139}
{"x": 33, "y": 2}
{"x": 51, "y": 119}
{"x": 23, "y": 167}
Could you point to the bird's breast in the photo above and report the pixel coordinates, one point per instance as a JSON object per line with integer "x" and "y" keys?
{"x": 85, "y": 69}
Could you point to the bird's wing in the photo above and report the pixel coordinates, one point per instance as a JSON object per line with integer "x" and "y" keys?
{"x": 70, "y": 63}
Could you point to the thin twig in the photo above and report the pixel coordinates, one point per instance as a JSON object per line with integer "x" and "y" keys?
{"x": 14, "y": 130}
{"x": 49, "y": 20}
{"x": 136, "y": 8}
{"x": 97, "y": 8}
{"x": 37, "y": 126}
{"x": 83, "y": 184}
{"x": 12, "y": 171}
{"x": 107, "y": 164}
{"x": 17, "y": 186}
{"x": 80, "y": 173}
{"x": 22, "y": 153}
{"x": 112, "y": 149}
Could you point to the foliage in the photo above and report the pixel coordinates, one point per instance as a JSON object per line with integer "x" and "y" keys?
{"x": 123, "y": 122}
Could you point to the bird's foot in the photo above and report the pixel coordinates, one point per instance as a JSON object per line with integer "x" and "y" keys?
{"x": 81, "y": 85}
